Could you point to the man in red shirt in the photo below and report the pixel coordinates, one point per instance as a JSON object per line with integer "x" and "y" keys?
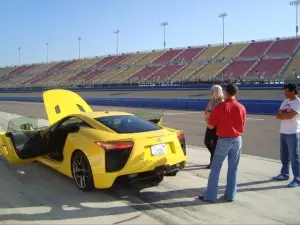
{"x": 229, "y": 118}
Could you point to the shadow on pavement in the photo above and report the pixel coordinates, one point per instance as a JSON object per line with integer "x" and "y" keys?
{"x": 63, "y": 200}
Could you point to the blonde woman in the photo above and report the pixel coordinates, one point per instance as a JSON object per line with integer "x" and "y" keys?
{"x": 211, "y": 138}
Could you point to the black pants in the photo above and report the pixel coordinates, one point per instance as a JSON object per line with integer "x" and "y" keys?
{"x": 210, "y": 141}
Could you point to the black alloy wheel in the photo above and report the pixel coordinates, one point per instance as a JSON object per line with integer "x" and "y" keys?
{"x": 81, "y": 171}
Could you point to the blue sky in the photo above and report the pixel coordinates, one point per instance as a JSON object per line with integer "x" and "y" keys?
{"x": 32, "y": 23}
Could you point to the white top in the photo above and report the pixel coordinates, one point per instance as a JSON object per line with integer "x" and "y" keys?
{"x": 290, "y": 126}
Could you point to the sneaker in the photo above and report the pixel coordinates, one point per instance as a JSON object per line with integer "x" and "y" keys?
{"x": 280, "y": 177}
{"x": 293, "y": 184}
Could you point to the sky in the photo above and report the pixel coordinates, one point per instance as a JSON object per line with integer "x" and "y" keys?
{"x": 32, "y": 23}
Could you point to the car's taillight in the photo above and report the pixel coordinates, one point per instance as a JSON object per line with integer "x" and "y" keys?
{"x": 181, "y": 139}
{"x": 181, "y": 136}
{"x": 114, "y": 145}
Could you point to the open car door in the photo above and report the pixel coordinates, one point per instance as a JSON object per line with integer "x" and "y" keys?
{"x": 61, "y": 103}
{"x": 23, "y": 141}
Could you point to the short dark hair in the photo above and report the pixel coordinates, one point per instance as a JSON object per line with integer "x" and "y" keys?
{"x": 292, "y": 87}
{"x": 231, "y": 89}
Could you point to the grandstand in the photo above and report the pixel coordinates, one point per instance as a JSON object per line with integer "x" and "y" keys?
{"x": 272, "y": 59}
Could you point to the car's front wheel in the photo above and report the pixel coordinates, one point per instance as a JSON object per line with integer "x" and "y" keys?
{"x": 82, "y": 172}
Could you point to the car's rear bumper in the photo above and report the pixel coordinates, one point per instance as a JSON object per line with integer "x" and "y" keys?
{"x": 107, "y": 180}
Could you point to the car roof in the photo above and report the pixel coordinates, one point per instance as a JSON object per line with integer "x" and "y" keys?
{"x": 97, "y": 114}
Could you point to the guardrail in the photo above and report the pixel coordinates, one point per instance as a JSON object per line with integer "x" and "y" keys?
{"x": 265, "y": 107}
{"x": 151, "y": 88}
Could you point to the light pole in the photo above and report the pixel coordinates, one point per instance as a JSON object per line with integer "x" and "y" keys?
{"x": 296, "y": 3}
{"x": 117, "y": 33}
{"x": 164, "y": 24}
{"x": 47, "y": 50}
{"x": 79, "y": 39}
{"x": 19, "y": 48}
{"x": 223, "y": 15}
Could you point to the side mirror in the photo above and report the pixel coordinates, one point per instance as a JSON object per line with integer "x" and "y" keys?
{"x": 26, "y": 126}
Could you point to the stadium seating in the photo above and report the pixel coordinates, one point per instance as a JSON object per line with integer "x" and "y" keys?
{"x": 107, "y": 75}
{"x": 167, "y": 57}
{"x": 267, "y": 68}
{"x": 236, "y": 69}
{"x": 134, "y": 59}
{"x": 256, "y": 49}
{"x": 149, "y": 58}
{"x": 124, "y": 75}
{"x": 210, "y": 52}
{"x": 283, "y": 47}
{"x": 205, "y": 54}
{"x": 143, "y": 74}
{"x": 208, "y": 71}
{"x": 249, "y": 60}
{"x": 165, "y": 73}
{"x": 188, "y": 55}
{"x": 90, "y": 76}
{"x": 293, "y": 66}
{"x": 232, "y": 50}
{"x": 186, "y": 72}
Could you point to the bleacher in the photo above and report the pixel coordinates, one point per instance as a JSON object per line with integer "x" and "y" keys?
{"x": 278, "y": 57}
{"x": 165, "y": 73}
{"x": 236, "y": 69}
{"x": 255, "y": 49}
{"x": 232, "y": 50}
{"x": 267, "y": 68}
{"x": 283, "y": 47}
{"x": 208, "y": 71}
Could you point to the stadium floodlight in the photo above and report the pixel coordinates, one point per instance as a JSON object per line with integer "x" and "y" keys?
{"x": 164, "y": 24}
{"x": 79, "y": 39}
{"x": 19, "y": 48}
{"x": 223, "y": 15}
{"x": 117, "y": 33}
{"x": 47, "y": 44}
{"x": 296, "y": 3}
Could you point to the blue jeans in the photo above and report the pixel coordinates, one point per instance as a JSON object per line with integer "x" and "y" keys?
{"x": 290, "y": 154}
{"x": 232, "y": 148}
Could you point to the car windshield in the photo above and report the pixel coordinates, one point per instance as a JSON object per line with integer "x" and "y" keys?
{"x": 24, "y": 123}
{"x": 125, "y": 124}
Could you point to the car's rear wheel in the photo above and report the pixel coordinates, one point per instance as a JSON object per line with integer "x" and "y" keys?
{"x": 82, "y": 172}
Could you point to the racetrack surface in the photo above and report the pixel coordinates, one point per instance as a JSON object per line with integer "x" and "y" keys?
{"x": 34, "y": 194}
{"x": 261, "y": 136}
{"x": 194, "y": 94}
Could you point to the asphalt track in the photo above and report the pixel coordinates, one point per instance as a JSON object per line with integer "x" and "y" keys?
{"x": 261, "y": 136}
{"x": 203, "y": 94}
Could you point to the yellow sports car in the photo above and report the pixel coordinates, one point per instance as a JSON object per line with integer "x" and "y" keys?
{"x": 96, "y": 149}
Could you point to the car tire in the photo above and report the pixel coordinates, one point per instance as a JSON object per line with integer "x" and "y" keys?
{"x": 82, "y": 172}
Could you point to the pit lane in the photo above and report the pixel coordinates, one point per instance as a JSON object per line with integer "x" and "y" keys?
{"x": 33, "y": 193}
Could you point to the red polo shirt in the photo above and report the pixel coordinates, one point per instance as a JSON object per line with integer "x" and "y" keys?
{"x": 229, "y": 117}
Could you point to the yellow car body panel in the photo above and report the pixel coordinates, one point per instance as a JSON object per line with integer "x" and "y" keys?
{"x": 85, "y": 140}
{"x": 60, "y": 103}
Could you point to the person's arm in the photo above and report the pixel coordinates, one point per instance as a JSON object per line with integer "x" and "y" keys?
{"x": 286, "y": 116}
{"x": 289, "y": 115}
{"x": 213, "y": 119}
{"x": 206, "y": 109}
{"x": 206, "y": 113}
{"x": 279, "y": 112}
